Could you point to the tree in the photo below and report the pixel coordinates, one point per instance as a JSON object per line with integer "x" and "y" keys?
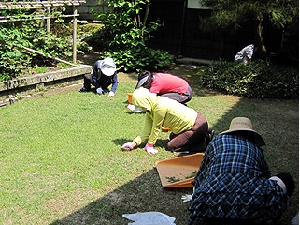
{"x": 125, "y": 34}
{"x": 233, "y": 13}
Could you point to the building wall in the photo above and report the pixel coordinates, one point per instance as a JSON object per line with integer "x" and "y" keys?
{"x": 85, "y": 10}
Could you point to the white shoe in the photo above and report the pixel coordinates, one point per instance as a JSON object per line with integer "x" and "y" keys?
{"x": 132, "y": 108}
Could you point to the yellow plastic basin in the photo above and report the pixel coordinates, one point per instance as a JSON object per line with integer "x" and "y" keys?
{"x": 179, "y": 171}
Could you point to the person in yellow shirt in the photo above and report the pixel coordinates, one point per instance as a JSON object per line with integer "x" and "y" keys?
{"x": 188, "y": 127}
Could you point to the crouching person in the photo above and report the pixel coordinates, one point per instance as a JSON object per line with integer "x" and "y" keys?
{"x": 104, "y": 75}
{"x": 188, "y": 127}
{"x": 234, "y": 184}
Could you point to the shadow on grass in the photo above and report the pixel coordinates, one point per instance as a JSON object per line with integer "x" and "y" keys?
{"x": 135, "y": 196}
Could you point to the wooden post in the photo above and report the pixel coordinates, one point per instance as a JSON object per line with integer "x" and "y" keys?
{"x": 74, "y": 35}
{"x": 48, "y": 20}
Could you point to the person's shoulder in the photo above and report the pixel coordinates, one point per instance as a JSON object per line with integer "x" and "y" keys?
{"x": 166, "y": 99}
{"x": 167, "y": 102}
{"x": 162, "y": 75}
{"x": 169, "y": 77}
{"x": 227, "y": 137}
{"x": 162, "y": 100}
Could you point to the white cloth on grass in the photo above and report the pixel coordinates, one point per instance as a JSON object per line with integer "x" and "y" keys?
{"x": 150, "y": 218}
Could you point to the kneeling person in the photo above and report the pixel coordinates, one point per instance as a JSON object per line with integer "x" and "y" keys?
{"x": 188, "y": 127}
{"x": 104, "y": 75}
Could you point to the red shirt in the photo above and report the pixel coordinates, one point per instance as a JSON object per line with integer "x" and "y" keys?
{"x": 165, "y": 83}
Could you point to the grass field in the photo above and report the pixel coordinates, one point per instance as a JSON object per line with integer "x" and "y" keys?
{"x": 61, "y": 161}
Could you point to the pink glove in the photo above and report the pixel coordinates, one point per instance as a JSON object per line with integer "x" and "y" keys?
{"x": 128, "y": 146}
{"x": 149, "y": 148}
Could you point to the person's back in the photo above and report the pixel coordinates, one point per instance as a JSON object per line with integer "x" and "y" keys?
{"x": 176, "y": 116}
{"x": 233, "y": 154}
{"x": 234, "y": 181}
{"x": 164, "y": 83}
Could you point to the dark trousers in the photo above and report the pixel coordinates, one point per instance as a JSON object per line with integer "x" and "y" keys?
{"x": 193, "y": 140}
{"x": 87, "y": 81}
{"x": 181, "y": 98}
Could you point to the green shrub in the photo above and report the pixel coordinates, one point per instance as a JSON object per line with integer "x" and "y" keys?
{"x": 14, "y": 36}
{"x": 136, "y": 59}
{"x": 255, "y": 79}
{"x": 50, "y": 44}
{"x": 12, "y": 60}
{"x": 125, "y": 34}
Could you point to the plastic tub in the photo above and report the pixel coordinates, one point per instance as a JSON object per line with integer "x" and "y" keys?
{"x": 179, "y": 171}
{"x": 129, "y": 95}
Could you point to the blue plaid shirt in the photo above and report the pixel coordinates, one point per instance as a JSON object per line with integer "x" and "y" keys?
{"x": 232, "y": 183}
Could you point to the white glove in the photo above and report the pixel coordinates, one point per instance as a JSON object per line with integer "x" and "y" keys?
{"x": 99, "y": 91}
{"x": 149, "y": 148}
{"x": 111, "y": 94}
{"x": 186, "y": 198}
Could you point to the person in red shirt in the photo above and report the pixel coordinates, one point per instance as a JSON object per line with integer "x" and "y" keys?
{"x": 166, "y": 85}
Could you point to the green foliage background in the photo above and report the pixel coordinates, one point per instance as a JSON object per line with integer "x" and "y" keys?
{"x": 14, "y": 35}
{"x": 230, "y": 15}
{"x": 255, "y": 79}
{"x": 126, "y": 42}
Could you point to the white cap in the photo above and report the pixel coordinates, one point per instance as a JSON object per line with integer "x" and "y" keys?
{"x": 108, "y": 66}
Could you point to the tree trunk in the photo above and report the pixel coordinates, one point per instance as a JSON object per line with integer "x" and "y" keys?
{"x": 260, "y": 49}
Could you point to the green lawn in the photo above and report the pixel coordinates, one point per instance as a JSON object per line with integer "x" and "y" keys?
{"x": 61, "y": 161}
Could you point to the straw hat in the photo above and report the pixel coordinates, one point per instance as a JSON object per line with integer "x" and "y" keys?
{"x": 243, "y": 124}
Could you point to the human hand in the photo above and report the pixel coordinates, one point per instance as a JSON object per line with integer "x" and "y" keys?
{"x": 149, "y": 148}
{"x": 111, "y": 94}
{"x": 186, "y": 198}
{"x": 128, "y": 146}
{"x": 99, "y": 91}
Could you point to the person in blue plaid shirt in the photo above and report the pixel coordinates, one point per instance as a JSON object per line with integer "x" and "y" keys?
{"x": 234, "y": 184}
